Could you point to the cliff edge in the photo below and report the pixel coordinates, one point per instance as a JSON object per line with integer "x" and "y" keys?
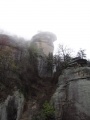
{"x": 72, "y": 97}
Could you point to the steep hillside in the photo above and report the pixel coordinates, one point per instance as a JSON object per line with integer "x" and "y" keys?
{"x": 21, "y": 87}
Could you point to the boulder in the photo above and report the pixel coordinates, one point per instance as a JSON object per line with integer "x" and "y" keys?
{"x": 71, "y": 99}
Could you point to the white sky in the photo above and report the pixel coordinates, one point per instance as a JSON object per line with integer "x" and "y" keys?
{"x": 68, "y": 19}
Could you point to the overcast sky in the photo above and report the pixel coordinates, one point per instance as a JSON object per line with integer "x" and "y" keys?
{"x": 68, "y": 19}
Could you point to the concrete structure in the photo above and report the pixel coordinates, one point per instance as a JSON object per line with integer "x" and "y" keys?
{"x": 43, "y": 41}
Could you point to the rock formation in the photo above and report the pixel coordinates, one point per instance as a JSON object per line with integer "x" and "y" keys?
{"x": 77, "y": 61}
{"x": 12, "y": 107}
{"x": 44, "y": 42}
{"x": 72, "y": 97}
{"x": 11, "y": 100}
{"x": 19, "y": 81}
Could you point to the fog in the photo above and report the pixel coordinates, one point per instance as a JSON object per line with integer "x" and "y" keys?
{"x": 68, "y": 20}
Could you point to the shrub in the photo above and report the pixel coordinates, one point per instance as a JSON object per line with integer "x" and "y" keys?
{"x": 47, "y": 113}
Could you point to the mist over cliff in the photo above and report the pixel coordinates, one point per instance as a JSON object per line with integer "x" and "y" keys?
{"x": 29, "y": 74}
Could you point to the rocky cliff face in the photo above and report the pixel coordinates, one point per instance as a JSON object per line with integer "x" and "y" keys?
{"x": 43, "y": 41}
{"x": 11, "y": 108}
{"x": 72, "y": 97}
{"x": 17, "y": 73}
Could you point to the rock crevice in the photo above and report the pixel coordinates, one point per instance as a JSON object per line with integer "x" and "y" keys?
{"x": 12, "y": 107}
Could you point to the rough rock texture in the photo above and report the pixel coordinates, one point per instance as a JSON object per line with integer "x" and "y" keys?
{"x": 12, "y": 108}
{"x": 31, "y": 110}
{"x": 43, "y": 41}
{"x": 42, "y": 67}
{"x": 72, "y": 97}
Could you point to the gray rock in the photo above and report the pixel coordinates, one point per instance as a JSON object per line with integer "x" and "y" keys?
{"x": 72, "y": 97}
{"x": 11, "y": 108}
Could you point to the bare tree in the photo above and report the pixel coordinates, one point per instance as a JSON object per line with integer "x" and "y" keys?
{"x": 62, "y": 58}
{"x": 64, "y": 53}
{"x": 81, "y": 53}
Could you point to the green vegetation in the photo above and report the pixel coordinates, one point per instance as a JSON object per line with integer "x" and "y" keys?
{"x": 7, "y": 64}
{"x": 20, "y": 65}
{"x": 46, "y": 113}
